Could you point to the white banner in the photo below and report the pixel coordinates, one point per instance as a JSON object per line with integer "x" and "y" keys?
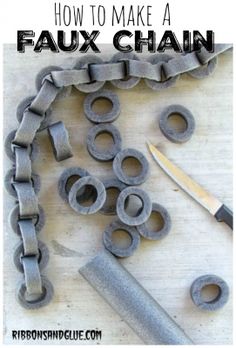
{"x": 110, "y": 16}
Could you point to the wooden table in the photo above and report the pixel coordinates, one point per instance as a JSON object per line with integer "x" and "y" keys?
{"x": 197, "y": 244}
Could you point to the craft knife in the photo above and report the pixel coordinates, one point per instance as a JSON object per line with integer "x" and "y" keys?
{"x": 206, "y": 199}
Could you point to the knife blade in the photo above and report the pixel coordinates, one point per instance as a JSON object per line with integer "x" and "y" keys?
{"x": 203, "y": 197}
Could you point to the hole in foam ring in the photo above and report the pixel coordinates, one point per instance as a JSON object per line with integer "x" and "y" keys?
{"x": 35, "y": 219}
{"x": 210, "y": 293}
{"x": 35, "y": 297}
{"x": 155, "y": 222}
{"x": 163, "y": 76}
{"x": 86, "y": 195}
{"x": 102, "y": 106}
{"x": 121, "y": 239}
{"x": 111, "y": 198}
{"x": 177, "y": 123}
{"x": 203, "y": 67}
{"x": 72, "y": 179}
{"x": 126, "y": 78}
{"x": 39, "y": 255}
{"x": 104, "y": 140}
{"x": 131, "y": 166}
{"x": 133, "y": 205}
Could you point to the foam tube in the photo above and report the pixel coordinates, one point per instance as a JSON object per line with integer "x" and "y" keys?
{"x": 132, "y": 302}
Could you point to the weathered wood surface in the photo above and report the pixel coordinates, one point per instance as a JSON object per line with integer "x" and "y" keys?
{"x": 197, "y": 244}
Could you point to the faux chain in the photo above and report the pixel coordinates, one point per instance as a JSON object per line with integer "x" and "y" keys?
{"x": 88, "y": 75}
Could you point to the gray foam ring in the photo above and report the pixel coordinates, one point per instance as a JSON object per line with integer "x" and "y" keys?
{"x": 157, "y": 58}
{"x": 67, "y": 174}
{"x": 205, "y": 280}
{"x": 165, "y": 229}
{"x": 142, "y": 215}
{"x": 42, "y": 301}
{"x": 112, "y": 183}
{"x": 99, "y": 200}
{"x": 205, "y": 70}
{"x": 14, "y": 216}
{"x": 112, "y": 151}
{"x": 83, "y": 63}
{"x": 112, "y": 247}
{"x": 43, "y": 256}
{"x": 131, "y": 81}
{"x": 110, "y": 116}
{"x": 33, "y": 148}
{"x": 169, "y": 132}
{"x": 122, "y": 176}
{"x": 65, "y": 91}
{"x": 9, "y": 179}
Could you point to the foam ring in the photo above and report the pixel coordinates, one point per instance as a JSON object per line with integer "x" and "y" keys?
{"x": 131, "y": 81}
{"x": 110, "y": 116}
{"x": 112, "y": 183}
{"x": 83, "y": 63}
{"x": 122, "y": 176}
{"x": 112, "y": 151}
{"x": 42, "y": 301}
{"x": 99, "y": 200}
{"x": 118, "y": 251}
{"x": 162, "y": 84}
{"x": 43, "y": 256}
{"x": 66, "y": 175}
{"x": 205, "y": 70}
{"x": 14, "y": 216}
{"x": 65, "y": 91}
{"x": 170, "y": 133}
{"x": 205, "y": 280}
{"x": 9, "y": 180}
{"x": 142, "y": 215}
{"x": 33, "y": 148}
{"x": 165, "y": 229}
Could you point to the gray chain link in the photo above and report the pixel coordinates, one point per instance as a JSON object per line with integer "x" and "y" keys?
{"x": 59, "y": 138}
{"x": 27, "y": 130}
{"x": 23, "y": 165}
{"x": 28, "y": 234}
{"x": 88, "y": 75}
{"x": 24, "y": 104}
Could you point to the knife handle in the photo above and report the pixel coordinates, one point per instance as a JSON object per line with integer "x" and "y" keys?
{"x": 226, "y": 215}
